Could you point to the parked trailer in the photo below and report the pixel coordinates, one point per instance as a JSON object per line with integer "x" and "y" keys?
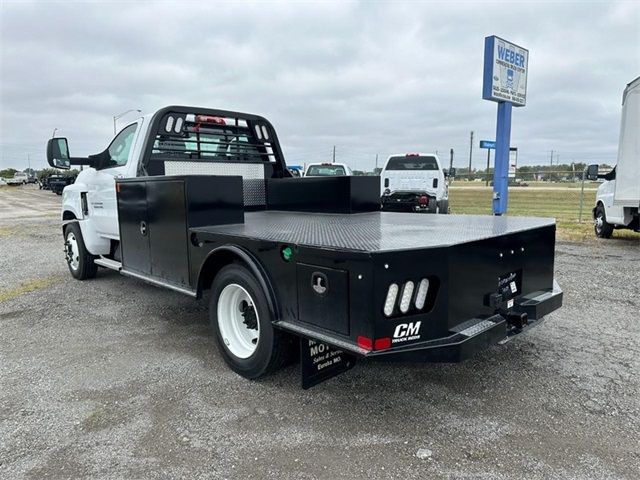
{"x": 203, "y": 200}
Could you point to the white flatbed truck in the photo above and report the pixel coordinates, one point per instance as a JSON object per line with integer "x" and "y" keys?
{"x": 199, "y": 200}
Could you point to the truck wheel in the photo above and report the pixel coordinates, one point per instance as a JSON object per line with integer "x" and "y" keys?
{"x": 443, "y": 206}
{"x": 602, "y": 228}
{"x": 79, "y": 260}
{"x": 242, "y": 324}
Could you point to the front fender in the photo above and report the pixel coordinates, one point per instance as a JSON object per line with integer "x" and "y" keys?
{"x": 71, "y": 202}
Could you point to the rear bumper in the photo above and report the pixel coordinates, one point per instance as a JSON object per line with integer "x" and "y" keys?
{"x": 408, "y": 202}
{"x": 477, "y": 334}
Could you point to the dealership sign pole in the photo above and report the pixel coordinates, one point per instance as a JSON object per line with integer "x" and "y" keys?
{"x": 504, "y": 81}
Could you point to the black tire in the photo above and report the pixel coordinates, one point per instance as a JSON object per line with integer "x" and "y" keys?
{"x": 273, "y": 348}
{"x": 85, "y": 267}
{"x": 601, "y": 227}
{"x": 444, "y": 207}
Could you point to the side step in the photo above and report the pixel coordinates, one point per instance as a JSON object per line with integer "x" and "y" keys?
{"x": 108, "y": 263}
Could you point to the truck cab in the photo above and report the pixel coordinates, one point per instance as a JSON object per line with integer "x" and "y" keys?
{"x": 414, "y": 182}
{"x": 618, "y": 199}
{"x": 91, "y": 199}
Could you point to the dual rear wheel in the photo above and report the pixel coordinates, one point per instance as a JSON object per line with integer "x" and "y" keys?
{"x": 242, "y": 324}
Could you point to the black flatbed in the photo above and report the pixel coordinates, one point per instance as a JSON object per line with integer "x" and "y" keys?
{"x": 373, "y": 231}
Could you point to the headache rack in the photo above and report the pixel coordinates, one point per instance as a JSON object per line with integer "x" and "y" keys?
{"x": 197, "y": 141}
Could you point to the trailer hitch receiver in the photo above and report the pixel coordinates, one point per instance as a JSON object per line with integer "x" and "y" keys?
{"x": 517, "y": 320}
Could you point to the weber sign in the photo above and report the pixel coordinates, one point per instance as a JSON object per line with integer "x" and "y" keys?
{"x": 505, "y": 72}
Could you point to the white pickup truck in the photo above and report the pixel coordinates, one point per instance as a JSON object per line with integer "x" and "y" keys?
{"x": 19, "y": 178}
{"x": 414, "y": 182}
{"x": 618, "y": 199}
{"x": 327, "y": 170}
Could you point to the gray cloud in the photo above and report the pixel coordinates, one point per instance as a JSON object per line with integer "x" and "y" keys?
{"x": 367, "y": 77}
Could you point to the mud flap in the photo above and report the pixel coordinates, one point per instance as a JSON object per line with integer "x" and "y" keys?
{"x": 320, "y": 362}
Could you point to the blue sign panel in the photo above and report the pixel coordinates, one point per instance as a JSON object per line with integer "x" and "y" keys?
{"x": 490, "y": 144}
{"x": 505, "y": 72}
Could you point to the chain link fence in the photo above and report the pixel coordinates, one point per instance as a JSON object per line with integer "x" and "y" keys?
{"x": 564, "y": 195}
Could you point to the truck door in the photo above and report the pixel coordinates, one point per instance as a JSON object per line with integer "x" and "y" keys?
{"x": 103, "y": 207}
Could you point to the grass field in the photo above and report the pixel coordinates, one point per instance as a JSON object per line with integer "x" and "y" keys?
{"x": 557, "y": 202}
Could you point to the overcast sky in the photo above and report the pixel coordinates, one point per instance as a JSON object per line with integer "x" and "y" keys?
{"x": 370, "y": 78}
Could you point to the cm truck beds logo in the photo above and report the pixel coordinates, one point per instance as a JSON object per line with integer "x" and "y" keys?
{"x": 406, "y": 332}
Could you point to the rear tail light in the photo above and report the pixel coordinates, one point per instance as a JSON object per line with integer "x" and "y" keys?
{"x": 407, "y": 293}
{"x": 382, "y": 343}
{"x": 365, "y": 342}
{"x": 421, "y": 296}
{"x": 423, "y": 200}
{"x": 389, "y": 303}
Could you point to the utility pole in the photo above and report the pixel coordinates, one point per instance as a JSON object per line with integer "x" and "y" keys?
{"x": 551, "y": 164}
{"x": 376, "y": 162}
{"x": 470, "y": 153}
{"x": 334, "y": 154}
{"x": 451, "y": 159}
{"x": 486, "y": 177}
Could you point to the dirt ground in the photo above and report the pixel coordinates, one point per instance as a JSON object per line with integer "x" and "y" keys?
{"x": 114, "y": 378}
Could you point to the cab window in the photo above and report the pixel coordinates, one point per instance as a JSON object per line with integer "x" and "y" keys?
{"x": 121, "y": 146}
{"x": 412, "y": 162}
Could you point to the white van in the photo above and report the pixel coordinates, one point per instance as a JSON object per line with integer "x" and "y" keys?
{"x": 414, "y": 182}
{"x": 618, "y": 198}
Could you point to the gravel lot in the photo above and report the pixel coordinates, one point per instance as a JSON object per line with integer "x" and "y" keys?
{"x": 113, "y": 378}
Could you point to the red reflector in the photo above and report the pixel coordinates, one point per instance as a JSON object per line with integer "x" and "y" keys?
{"x": 382, "y": 343}
{"x": 210, "y": 119}
{"x": 424, "y": 200}
{"x": 365, "y": 342}
{"x": 117, "y": 188}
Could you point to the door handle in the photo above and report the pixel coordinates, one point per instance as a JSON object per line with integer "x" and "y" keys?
{"x": 143, "y": 228}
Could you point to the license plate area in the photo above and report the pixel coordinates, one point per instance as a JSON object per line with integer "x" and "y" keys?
{"x": 510, "y": 286}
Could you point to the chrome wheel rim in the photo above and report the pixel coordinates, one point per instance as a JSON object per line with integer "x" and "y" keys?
{"x": 599, "y": 222}
{"x": 238, "y": 321}
{"x": 72, "y": 251}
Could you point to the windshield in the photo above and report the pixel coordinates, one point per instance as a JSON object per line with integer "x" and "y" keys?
{"x": 412, "y": 163}
{"x": 325, "y": 170}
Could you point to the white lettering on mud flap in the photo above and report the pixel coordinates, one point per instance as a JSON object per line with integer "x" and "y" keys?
{"x": 406, "y": 332}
